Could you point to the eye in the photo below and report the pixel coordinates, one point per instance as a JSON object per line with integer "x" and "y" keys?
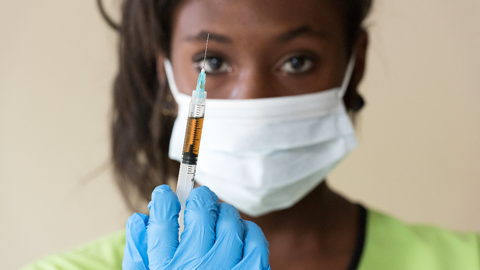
{"x": 297, "y": 64}
{"x": 214, "y": 65}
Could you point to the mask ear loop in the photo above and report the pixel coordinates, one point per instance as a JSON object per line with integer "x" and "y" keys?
{"x": 181, "y": 99}
{"x": 170, "y": 78}
{"x": 348, "y": 73}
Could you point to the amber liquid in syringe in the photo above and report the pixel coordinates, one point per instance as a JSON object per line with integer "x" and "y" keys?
{"x": 191, "y": 144}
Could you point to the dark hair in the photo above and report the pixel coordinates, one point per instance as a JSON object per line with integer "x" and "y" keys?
{"x": 144, "y": 110}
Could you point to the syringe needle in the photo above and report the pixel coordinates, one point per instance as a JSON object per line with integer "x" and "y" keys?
{"x": 205, "y": 57}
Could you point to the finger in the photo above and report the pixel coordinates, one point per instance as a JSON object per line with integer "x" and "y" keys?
{"x": 201, "y": 211}
{"x": 228, "y": 248}
{"x": 255, "y": 251}
{"x": 135, "y": 254}
{"x": 162, "y": 229}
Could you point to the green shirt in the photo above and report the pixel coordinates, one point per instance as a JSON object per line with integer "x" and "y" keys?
{"x": 393, "y": 245}
{"x": 389, "y": 244}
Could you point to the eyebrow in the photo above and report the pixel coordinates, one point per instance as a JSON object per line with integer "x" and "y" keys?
{"x": 202, "y": 36}
{"x": 288, "y": 36}
{"x": 300, "y": 31}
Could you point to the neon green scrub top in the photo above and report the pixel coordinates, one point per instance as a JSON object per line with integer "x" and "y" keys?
{"x": 388, "y": 244}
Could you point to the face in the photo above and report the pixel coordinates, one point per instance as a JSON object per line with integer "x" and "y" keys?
{"x": 259, "y": 48}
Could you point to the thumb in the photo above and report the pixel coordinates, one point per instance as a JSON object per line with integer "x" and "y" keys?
{"x": 162, "y": 227}
{"x": 135, "y": 254}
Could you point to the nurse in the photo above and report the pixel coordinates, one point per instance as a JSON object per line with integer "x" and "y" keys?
{"x": 275, "y": 125}
{"x": 282, "y": 79}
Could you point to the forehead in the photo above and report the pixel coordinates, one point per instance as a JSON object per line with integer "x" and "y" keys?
{"x": 256, "y": 18}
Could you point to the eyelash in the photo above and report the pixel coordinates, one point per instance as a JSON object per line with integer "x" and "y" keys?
{"x": 309, "y": 60}
{"x": 198, "y": 64}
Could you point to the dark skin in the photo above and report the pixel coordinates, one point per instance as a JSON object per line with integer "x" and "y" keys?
{"x": 272, "y": 48}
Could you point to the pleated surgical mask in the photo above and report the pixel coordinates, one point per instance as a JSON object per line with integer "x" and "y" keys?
{"x": 266, "y": 154}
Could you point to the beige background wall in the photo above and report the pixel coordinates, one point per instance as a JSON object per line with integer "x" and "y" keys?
{"x": 419, "y": 151}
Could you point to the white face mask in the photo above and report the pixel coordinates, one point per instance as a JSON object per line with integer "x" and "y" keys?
{"x": 266, "y": 154}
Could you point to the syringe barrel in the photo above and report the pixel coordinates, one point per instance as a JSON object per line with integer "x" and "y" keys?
{"x": 197, "y": 104}
{"x": 191, "y": 146}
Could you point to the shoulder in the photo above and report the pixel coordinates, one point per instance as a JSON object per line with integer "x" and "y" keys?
{"x": 392, "y": 244}
{"x": 105, "y": 253}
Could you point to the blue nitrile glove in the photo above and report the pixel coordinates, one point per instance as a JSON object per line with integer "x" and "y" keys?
{"x": 215, "y": 237}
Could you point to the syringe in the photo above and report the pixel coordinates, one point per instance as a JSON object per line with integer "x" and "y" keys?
{"x": 191, "y": 145}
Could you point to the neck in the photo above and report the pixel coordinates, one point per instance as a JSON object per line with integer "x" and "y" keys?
{"x": 321, "y": 223}
{"x": 321, "y": 208}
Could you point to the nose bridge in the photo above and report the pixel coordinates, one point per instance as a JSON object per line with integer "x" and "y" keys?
{"x": 254, "y": 82}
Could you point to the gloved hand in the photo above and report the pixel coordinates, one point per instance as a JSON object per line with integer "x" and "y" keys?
{"x": 215, "y": 237}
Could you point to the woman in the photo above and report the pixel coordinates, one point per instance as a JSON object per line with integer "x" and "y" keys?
{"x": 287, "y": 72}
